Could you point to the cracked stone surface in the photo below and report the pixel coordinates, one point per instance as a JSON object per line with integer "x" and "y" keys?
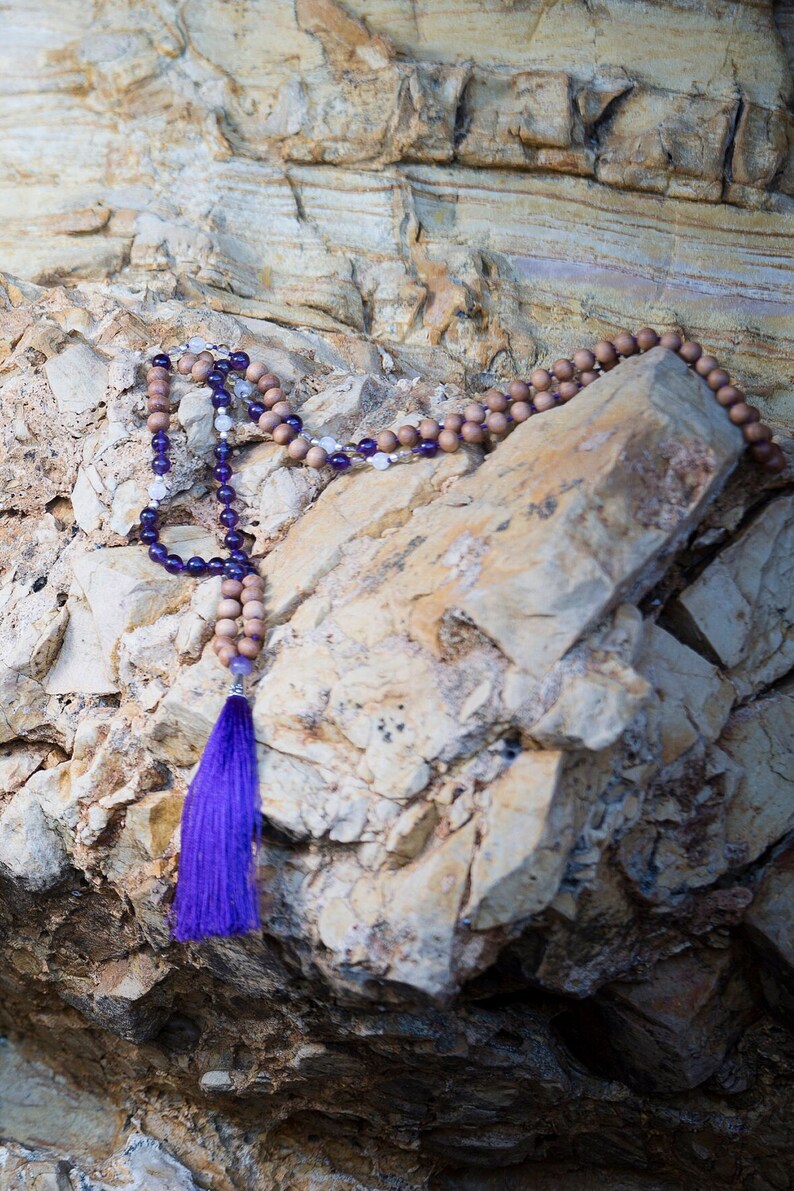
{"x": 526, "y": 804}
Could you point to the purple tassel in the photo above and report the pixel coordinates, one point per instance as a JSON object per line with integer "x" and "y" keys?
{"x": 221, "y": 830}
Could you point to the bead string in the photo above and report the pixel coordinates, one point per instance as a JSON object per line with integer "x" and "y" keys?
{"x": 486, "y": 421}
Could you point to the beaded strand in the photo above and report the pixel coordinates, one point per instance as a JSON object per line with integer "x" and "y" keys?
{"x": 486, "y": 421}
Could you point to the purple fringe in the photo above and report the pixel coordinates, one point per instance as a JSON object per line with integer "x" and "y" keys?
{"x": 221, "y": 830}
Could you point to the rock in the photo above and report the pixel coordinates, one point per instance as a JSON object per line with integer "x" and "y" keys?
{"x": 771, "y": 927}
{"x": 31, "y": 850}
{"x": 78, "y": 378}
{"x": 758, "y": 740}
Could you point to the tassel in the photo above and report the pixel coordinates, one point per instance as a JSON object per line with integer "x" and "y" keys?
{"x": 221, "y": 830}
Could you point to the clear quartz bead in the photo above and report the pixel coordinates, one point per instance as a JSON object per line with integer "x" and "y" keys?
{"x": 329, "y": 444}
{"x": 197, "y": 343}
{"x": 380, "y": 460}
{"x": 158, "y": 490}
{"x": 243, "y": 388}
{"x": 223, "y": 422}
{"x": 223, "y": 349}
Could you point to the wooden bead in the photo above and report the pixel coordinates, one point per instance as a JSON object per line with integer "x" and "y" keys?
{"x": 267, "y": 381}
{"x": 541, "y": 380}
{"x": 585, "y": 360}
{"x": 563, "y": 369}
{"x": 472, "y": 432}
{"x": 756, "y": 432}
{"x": 387, "y": 441}
{"x": 186, "y": 363}
{"x": 254, "y": 372}
{"x": 228, "y": 609}
{"x": 705, "y": 365}
{"x": 231, "y": 588}
{"x": 407, "y": 436}
{"x": 268, "y": 422}
{"x": 568, "y": 390}
{"x": 520, "y": 411}
{"x": 451, "y": 422}
{"x": 587, "y": 378}
{"x": 273, "y": 396}
{"x": 255, "y": 628}
{"x": 207, "y": 357}
{"x": 604, "y": 352}
{"x": 776, "y": 462}
{"x": 497, "y": 423}
{"x": 201, "y": 370}
{"x": 298, "y": 449}
{"x": 690, "y": 352}
{"x": 519, "y": 390}
{"x": 253, "y": 580}
{"x": 158, "y": 388}
{"x": 283, "y": 434}
{"x": 742, "y": 412}
{"x": 729, "y": 395}
{"x": 717, "y": 379}
{"x": 158, "y": 405}
{"x": 226, "y": 654}
{"x": 157, "y": 421}
{"x": 625, "y": 344}
{"x": 154, "y": 374}
{"x": 317, "y": 457}
{"x": 226, "y": 628}
{"x": 282, "y": 408}
{"x": 448, "y": 441}
{"x": 544, "y": 401}
{"x": 671, "y": 341}
{"x": 474, "y": 412}
{"x": 428, "y": 428}
{"x": 496, "y": 401}
{"x": 647, "y": 338}
{"x": 251, "y": 594}
{"x": 762, "y": 451}
{"x": 248, "y": 648}
{"x": 254, "y": 610}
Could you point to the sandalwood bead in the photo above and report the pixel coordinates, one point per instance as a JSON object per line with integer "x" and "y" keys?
{"x": 448, "y": 440}
{"x": 756, "y": 432}
{"x": 776, "y": 462}
{"x": 717, "y": 379}
{"x": 705, "y": 365}
{"x": 250, "y": 594}
{"x": 227, "y": 654}
{"x": 408, "y": 436}
{"x": 267, "y": 381}
{"x": 158, "y": 388}
{"x": 563, "y": 369}
{"x": 186, "y": 362}
{"x": 219, "y": 643}
{"x": 158, "y": 405}
{"x": 254, "y": 628}
{"x": 428, "y": 428}
{"x": 519, "y": 390}
{"x": 474, "y": 412}
{"x": 520, "y": 411}
{"x": 671, "y": 341}
{"x": 229, "y": 609}
{"x": 273, "y": 396}
{"x": 268, "y": 422}
{"x": 387, "y": 439}
{"x": 729, "y": 395}
{"x": 472, "y": 432}
{"x": 762, "y": 451}
{"x": 451, "y": 422}
{"x": 496, "y": 423}
{"x": 587, "y": 378}
{"x": 157, "y": 374}
{"x": 625, "y": 344}
{"x": 496, "y": 401}
{"x": 282, "y": 408}
{"x": 541, "y": 380}
{"x": 207, "y": 356}
{"x": 298, "y": 449}
{"x": 253, "y": 580}
{"x": 201, "y": 370}
{"x": 544, "y": 401}
{"x": 568, "y": 390}
{"x": 690, "y": 352}
{"x": 248, "y": 648}
{"x": 283, "y": 434}
{"x": 157, "y": 421}
{"x": 647, "y": 338}
{"x": 608, "y": 365}
{"x": 584, "y": 359}
{"x": 254, "y": 372}
{"x": 231, "y": 588}
{"x": 605, "y": 353}
{"x": 254, "y": 610}
{"x": 742, "y": 412}
{"x": 316, "y": 457}
{"x": 226, "y": 628}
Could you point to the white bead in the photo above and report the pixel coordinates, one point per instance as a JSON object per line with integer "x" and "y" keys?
{"x": 159, "y": 489}
{"x": 380, "y": 460}
{"x": 329, "y": 444}
{"x": 223, "y": 422}
{"x": 394, "y": 457}
{"x": 223, "y": 349}
{"x": 197, "y": 343}
{"x": 243, "y": 388}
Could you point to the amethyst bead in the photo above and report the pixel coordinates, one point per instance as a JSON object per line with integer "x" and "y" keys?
{"x": 160, "y": 441}
{"x": 215, "y": 566}
{"x": 215, "y": 379}
{"x": 233, "y": 570}
{"x": 161, "y": 361}
{"x": 429, "y": 447}
{"x": 222, "y": 451}
{"x": 196, "y": 567}
{"x": 222, "y": 472}
{"x": 255, "y": 410}
{"x": 174, "y": 564}
{"x": 226, "y": 494}
{"x": 229, "y": 518}
{"x": 239, "y": 556}
{"x": 339, "y": 461}
{"x": 240, "y": 665}
{"x": 222, "y": 366}
{"x": 148, "y": 516}
{"x": 158, "y": 552}
{"x": 239, "y": 361}
{"x": 221, "y": 399}
{"x": 367, "y": 447}
{"x": 148, "y": 536}
{"x": 233, "y": 540}
{"x": 160, "y": 466}
{"x": 294, "y": 421}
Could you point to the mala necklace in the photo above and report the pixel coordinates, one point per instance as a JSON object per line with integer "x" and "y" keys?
{"x": 221, "y": 823}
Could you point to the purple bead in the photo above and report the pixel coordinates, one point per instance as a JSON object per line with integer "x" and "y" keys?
{"x": 226, "y": 494}
{"x": 367, "y": 447}
{"x": 294, "y": 421}
{"x": 339, "y": 461}
{"x": 158, "y": 552}
{"x": 196, "y": 567}
{"x": 429, "y": 447}
{"x": 161, "y": 361}
{"x": 161, "y": 441}
{"x": 174, "y": 564}
{"x": 222, "y": 472}
{"x": 160, "y": 466}
{"x": 255, "y": 410}
{"x": 239, "y": 361}
{"x": 233, "y": 570}
{"x": 229, "y": 518}
{"x": 215, "y": 566}
{"x": 240, "y": 665}
{"x": 223, "y": 366}
{"x": 148, "y": 516}
{"x": 222, "y": 451}
{"x": 215, "y": 379}
{"x": 234, "y": 540}
{"x": 239, "y": 556}
{"x": 221, "y": 399}
{"x": 148, "y": 536}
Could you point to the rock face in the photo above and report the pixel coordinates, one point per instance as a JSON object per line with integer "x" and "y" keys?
{"x": 525, "y": 799}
